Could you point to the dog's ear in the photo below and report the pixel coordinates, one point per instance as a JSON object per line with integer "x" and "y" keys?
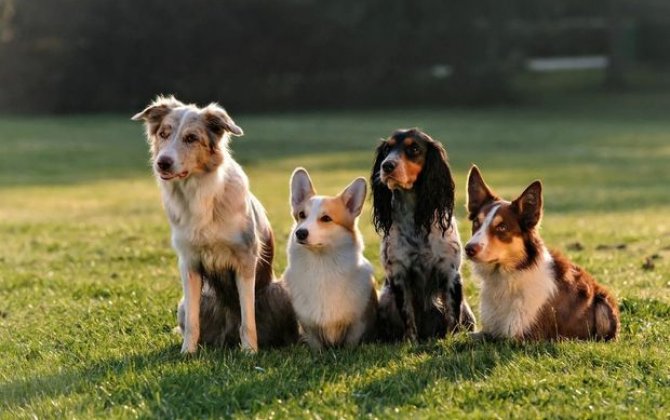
{"x": 381, "y": 194}
{"x": 529, "y": 206}
{"x": 478, "y": 193}
{"x": 156, "y": 111}
{"x": 301, "y": 187}
{"x": 435, "y": 189}
{"x": 218, "y": 121}
{"x": 354, "y": 196}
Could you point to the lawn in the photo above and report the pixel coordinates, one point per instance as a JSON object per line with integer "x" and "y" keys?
{"x": 89, "y": 283}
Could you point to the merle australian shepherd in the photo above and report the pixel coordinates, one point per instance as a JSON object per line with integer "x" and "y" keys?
{"x": 529, "y": 292}
{"x": 413, "y": 200}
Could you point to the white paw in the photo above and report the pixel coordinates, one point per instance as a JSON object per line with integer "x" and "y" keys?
{"x": 189, "y": 346}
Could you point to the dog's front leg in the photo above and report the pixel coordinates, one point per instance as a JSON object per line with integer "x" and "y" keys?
{"x": 246, "y": 288}
{"x": 405, "y": 305}
{"x": 192, "y": 284}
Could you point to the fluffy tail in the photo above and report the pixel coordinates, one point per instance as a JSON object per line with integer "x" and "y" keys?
{"x": 606, "y": 315}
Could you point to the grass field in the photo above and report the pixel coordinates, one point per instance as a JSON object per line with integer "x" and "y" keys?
{"x": 89, "y": 284}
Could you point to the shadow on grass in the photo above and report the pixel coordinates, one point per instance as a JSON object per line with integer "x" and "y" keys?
{"x": 372, "y": 378}
{"x": 227, "y": 382}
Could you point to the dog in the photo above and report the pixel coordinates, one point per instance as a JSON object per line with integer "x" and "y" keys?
{"x": 330, "y": 282}
{"x": 529, "y": 292}
{"x": 413, "y": 201}
{"x": 220, "y": 231}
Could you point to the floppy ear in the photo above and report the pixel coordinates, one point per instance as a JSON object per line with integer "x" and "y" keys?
{"x": 381, "y": 194}
{"x": 301, "y": 187}
{"x": 478, "y": 192}
{"x": 156, "y": 111}
{"x": 218, "y": 121}
{"x": 354, "y": 196}
{"x": 529, "y": 205}
{"x": 435, "y": 190}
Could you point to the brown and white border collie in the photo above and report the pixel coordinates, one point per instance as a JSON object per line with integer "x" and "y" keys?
{"x": 529, "y": 292}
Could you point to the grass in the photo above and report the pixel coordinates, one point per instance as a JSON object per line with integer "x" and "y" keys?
{"x": 89, "y": 285}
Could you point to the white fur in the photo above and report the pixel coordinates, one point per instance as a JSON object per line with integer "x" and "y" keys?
{"x": 331, "y": 286}
{"x": 329, "y": 279}
{"x": 511, "y": 301}
{"x": 216, "y": 241}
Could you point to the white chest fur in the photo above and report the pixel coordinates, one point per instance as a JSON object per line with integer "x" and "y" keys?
{"x": 511, "y": 301}
{"x": 328, "y": 287}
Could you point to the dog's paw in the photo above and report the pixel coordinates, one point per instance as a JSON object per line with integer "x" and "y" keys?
{"x": 479, "y": 336}
{"x": 248, "y": 349}
{"x": 189, "y": 347}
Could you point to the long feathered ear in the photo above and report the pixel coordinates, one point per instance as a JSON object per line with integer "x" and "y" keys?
{"x": 479, "y": 193}
{"x": 435, "y": 190}
{"x": 381, "y": 195}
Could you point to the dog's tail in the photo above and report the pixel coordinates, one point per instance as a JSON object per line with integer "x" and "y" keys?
{"x": 606, "y": 316}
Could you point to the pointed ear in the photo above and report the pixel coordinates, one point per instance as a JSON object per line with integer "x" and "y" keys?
{"x": 354, "y": 196}
{"x": 158, "y": 109}
{"x": 301, "y": 187}
{"x": 478, "y": 192}
{"x": 218, "y": 121}
{"x": 529, "y": 205}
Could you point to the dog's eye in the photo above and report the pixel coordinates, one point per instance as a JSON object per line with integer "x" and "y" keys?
{"x": 412, "y": 150}
{"x": 325, "y": 218}
{"x": 302, "y": 215}
{"x": 163, "y": 134}
{"x": 475, "y": 224}
{"x": 190, "y": 138}
{"x": 502, "y": 228}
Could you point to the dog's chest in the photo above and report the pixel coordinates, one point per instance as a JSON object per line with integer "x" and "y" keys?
{"x": 510, "y": 304}
{"x": 215, "y": 243}
{"x": 404, "y": 248}
{"x": 325, "y": 293}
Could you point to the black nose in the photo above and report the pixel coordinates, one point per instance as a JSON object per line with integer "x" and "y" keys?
{"x": 164, "y": 163}
{"x": 472, "y": 249}
{"x": 301, "y": 234}
{"x": 388, "y": 166}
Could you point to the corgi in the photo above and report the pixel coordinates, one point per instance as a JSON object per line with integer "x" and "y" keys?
{"x": 528, "y": 291}
{"x": 330, "y": 282}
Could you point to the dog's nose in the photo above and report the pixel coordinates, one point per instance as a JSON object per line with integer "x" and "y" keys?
{"x": 388, "y": 166}
{"x": 472, "y": 249}
{"x": 165, "y": 163}
{"x": 301, "y": 234}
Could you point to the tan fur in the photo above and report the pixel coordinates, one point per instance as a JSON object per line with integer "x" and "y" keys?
{"x": 527, "y": 291}
{"x": 330, "y": 281}
{"x": 217, "y": 224}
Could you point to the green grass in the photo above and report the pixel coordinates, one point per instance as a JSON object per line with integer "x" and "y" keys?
{"x": 89, "y": 284}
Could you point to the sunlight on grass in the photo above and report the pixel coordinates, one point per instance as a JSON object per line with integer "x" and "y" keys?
{"x": 89, "y": 285}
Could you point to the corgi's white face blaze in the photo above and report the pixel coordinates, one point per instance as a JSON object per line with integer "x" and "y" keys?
{"x": 502, "y": 231}
{"x": 322, "y": 222}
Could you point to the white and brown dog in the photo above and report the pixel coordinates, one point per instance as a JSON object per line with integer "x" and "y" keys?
{"x": 529, "y": 292}
{"x": 219, "y": 230}
{"x": 330, "y": 281}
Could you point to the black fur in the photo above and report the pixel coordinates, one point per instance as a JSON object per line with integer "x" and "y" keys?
{"x": 435, "y": 186}
{"x": 421, "y": 298}
{"x": 381, "y": 194}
